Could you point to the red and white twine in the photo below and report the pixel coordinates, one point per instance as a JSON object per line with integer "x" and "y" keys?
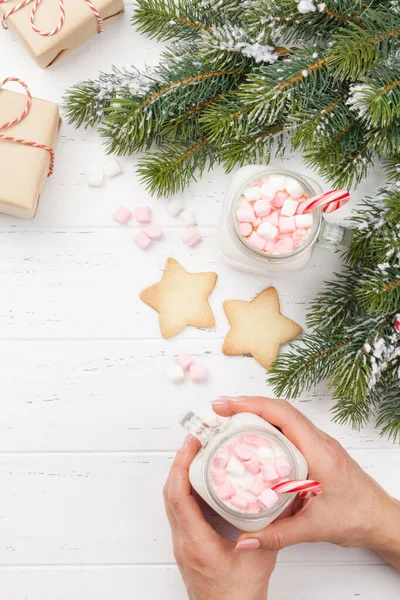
{"x": 306, "y": 488}
{"x": 7, "y": 124}
{"x": 36, "y": 5}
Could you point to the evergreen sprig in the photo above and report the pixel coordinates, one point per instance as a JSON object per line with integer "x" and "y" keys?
{"x": 354, "y": 343}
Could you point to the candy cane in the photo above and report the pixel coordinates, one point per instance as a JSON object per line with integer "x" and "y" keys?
{"x": 330, "y": 201}
{"x": 7, "y": 124}
{"x": 303, "y": 487}
{"x": 58, "y": 27}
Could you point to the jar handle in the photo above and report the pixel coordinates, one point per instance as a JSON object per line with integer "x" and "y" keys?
{"x": 197, "y": 427}
{"x": 334, "y": 236}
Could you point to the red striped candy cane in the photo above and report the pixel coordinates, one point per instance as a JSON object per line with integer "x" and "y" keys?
{"x": 7, "y": 124}
{"x": 58, "y": 27}
{"x": 303, "y": 487}
{"x": 329, "y": 202}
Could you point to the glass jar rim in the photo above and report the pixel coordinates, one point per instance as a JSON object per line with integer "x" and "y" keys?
{"x": 236, "y": 513}
{"x": 235, "y": 199}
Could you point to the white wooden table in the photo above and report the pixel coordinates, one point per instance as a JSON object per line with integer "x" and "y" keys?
{"x": 88, "y": 422}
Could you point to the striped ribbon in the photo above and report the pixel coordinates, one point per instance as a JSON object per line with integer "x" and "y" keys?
{"x": 7, "y": 124}
{"x": 36, "y": 5}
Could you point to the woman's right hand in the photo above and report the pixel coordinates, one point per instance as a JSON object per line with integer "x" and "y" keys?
{"x": 353, "y": 510}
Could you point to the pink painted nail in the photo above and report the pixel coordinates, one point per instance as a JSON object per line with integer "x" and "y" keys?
{"x": 186, "y": 443}
{"x": 249, "y": 544}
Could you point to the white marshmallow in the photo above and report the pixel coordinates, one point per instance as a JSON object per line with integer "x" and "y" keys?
{"x": 293, "y": 187}
{"x": 278, "y": 182}
{"x": 289, "y": 207}
{"x": 112, "y": 168}
{"x": 252, "y": 193}
{"x": 174, "y": 207}
{"x": 267, "y": 230}
{"x": 264, "y": 453}
{"x": 235, "y": 467}
{"x": 95, "y": 178}
{"x": 268, "y": 190}
{"x": 305, "y": 220}
{"x": 188, "y": 217}
{"x": 246, "y": 481}
{"x": 175, "y": 373}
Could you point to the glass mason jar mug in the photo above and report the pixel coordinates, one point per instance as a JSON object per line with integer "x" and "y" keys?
{"x": 251, "y": 432}
{"x": 238, "y": 253}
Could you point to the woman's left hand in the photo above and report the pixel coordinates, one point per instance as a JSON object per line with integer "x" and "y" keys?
{"x": 210, "y": 566}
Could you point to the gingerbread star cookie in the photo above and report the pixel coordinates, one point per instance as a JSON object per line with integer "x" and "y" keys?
{"x": 181, "y": 299}
{"x": 258, "y": 328}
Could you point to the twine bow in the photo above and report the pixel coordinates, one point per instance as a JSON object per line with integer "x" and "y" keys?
{"x": 56, "y": 29}
{"x": 7, "y": 124}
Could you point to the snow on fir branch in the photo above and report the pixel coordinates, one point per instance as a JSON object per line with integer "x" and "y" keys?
{"x": 326, "y": 73}
{"x": 355, "y": 339}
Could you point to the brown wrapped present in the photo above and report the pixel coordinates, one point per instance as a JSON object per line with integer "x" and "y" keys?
{"x": 24, "y": 168}
{"x": 79, "y": 25}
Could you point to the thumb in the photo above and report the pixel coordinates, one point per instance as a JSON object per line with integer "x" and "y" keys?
{"x": 278, "y": 535}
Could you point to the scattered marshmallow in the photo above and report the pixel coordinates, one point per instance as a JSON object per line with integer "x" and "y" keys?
{"x": 198, "y": 373}
{"x": 184, "y": 360}
{"x": 245, "y": 229}
{"x": 272, "y": 218}
{"x": 282, "y": 466}
{"x": 289, "y": 207}
{"x": 112, "y": 168}
{"x": 267, "y": 231}
{"x": 268, "y": 190}
{"x": 191, "y": 236}
{"x": 122, "y": 214}
{"x": 174, "y": 207}
{"x": 218, "y": 476}
{"x": 265, "y": 453}
{"x": 245, "y": 214}
{"x": 142, "y": 240}
{"x": 270, "y": 473}
{"x": 287, "y": 224}
{"x": 268, "y": 498}
{"x": 243, "y": 452}
{"x": 285, "y": 245}
{"x": 278, "y": 182}
{"x": 280, "y": 198}
{"x": 239, "y": 502}
{"x": 143, "y": 214}
{"x": 175, "y": 373}
{"x": 259, "y": 485}
{"x": 252, "y": 193}
{"x": 293, "y": 187}
{"x": 95, "y": 178}
{"x": 154, "y": 232}
{"x": 235, "y": 467}
{"x": 256, "y": 240}
{"x": 262, "y": 208}
{"x": 188, "y": 217}
{"x": 226, "y": 491}
{"x": 304, "y": 220}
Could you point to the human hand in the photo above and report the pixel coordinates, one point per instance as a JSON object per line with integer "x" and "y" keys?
{"x": 210, "y": 566}
{"x": 353, "y": 510}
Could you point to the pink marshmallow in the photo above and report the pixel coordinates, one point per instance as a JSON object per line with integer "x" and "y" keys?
{"x": 268, "y": 498}
{"x": 191, "y": 236}
{"x": 285, "y": 244}
{"x": 242, "y": 452}
{"x": 245, "y": 214}
{"x": 221, "y": 460}
{"x": 253, "y": 507}
{"x": 282, "y": 466}
{"x": 153, "y": 232}
{"x": 198, "y": 373}
{"x": 257, "y": 241}
{"x": 143, "y": 214}
{"x": 239, "y": 502}
{"x": 184, "y": 360}
{"x": 218, "y": 476}
{"x": 262, "y": 208}
{"x": 226, "y": 491}
{"x": 287, "y": 224}
{"x": 280, "y": 198}
{"x": 270, "y": 473}
{"x": 258, "y": 486}
{"x": 253, "y": 466}
{"x": 142, "y": 240}
{"x": 245, "y": 229}
{"x": 272, "y": 218}
{"x": 262, "y": 441}
{"x": 270, "y": 247}
{"x": 300, "y": 236}
{"x": 122, "y": 215}
{"x": 250, "y": 439}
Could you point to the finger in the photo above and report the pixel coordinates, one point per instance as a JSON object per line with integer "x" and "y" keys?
{"x": 170, "y": 515}
{"x": 278, "y": 535}
{"x": 294, "y": 425}
{"x": 181, "y": 503}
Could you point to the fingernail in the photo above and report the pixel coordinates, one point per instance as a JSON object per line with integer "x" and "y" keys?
{"x": 186, "y": 443}
{"x": 249, "y": 544}
{"x": 237, "y": 399}
{"x": 220, "y": 400}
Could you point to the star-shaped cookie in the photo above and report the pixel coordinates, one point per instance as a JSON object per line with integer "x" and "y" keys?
{"x": 258, "y": 328}
{"x": 181, "y": 299}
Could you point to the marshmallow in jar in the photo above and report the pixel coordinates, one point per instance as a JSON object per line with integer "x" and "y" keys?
{"x": 239, "y": 464}
{"x": 261, "y": 228}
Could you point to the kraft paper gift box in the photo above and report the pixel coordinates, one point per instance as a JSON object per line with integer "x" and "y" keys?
{"x": 79, "y": 26}
{"x": 24, "y": 169}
